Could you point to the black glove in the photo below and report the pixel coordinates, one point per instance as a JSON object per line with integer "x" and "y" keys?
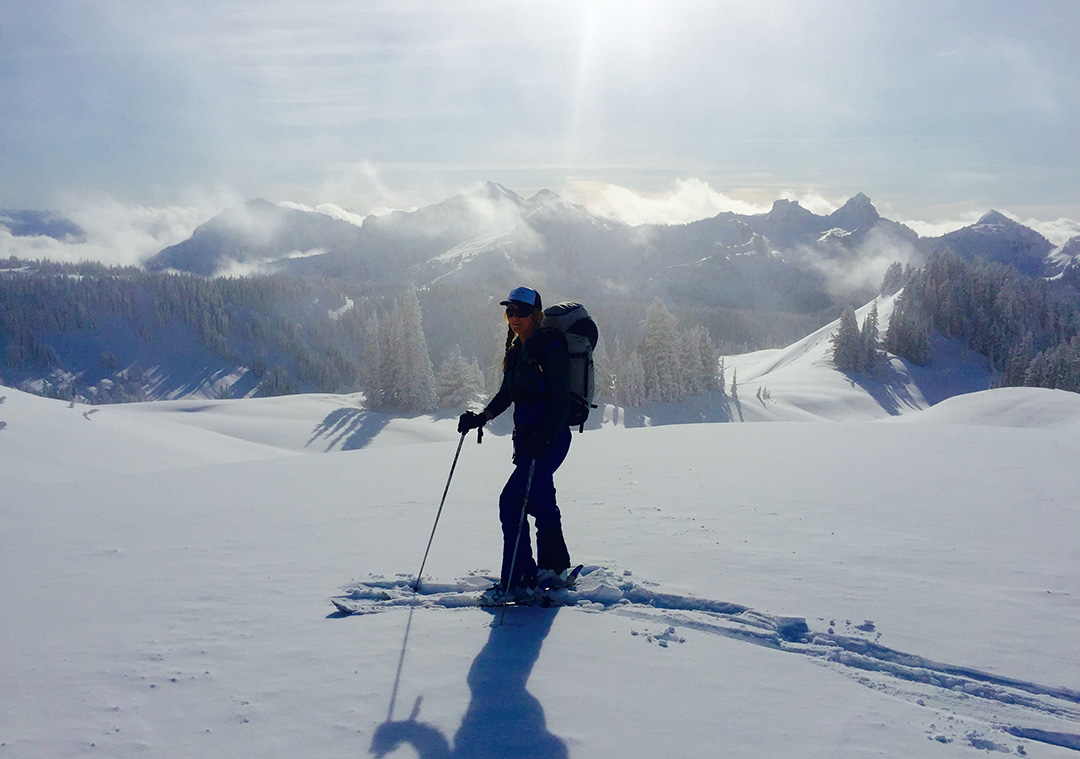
{"x": 470, "y": 421}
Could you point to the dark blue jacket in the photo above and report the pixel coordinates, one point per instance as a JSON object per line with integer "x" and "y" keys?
{"x": 536, "y": 379}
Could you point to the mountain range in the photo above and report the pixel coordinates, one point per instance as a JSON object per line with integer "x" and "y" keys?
{"x": 786, "y": 259}
{"x": 753, "y": 280}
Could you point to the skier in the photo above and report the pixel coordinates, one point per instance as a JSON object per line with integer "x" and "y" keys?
{"x": 536, "y": 379}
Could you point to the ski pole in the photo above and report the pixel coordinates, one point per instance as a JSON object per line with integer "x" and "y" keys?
{"x": 416, "y": 585}
{"x": 521, "y": 522}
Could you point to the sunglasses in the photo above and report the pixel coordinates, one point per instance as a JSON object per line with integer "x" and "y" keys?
{"x": 519, "y": 311}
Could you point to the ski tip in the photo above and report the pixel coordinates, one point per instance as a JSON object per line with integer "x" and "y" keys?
{"x": 343, "y": 608}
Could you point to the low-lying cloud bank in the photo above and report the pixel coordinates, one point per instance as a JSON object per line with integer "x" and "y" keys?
{"x": 114, "y": 233}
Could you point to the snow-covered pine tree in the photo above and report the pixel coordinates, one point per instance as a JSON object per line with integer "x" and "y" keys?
{"x": 412, "y": 364}
{"x": 847, "y": 343}
{"x": 459, "y": 381}
{"x": 630, "y": 386}
{"x": 398, "y": 375}
{"x": 893, "y": 279}
{"x": 908, "y": 335}
{"x": 690, "y": 360}
{"x": 371, "y": 375}
{"x": 603, "y": 372}
{"x": 660, "y": 355}
{"x": 871, "y": 343}
{"x": 699, "y": 360}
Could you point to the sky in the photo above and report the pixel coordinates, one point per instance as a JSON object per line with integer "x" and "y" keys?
{"x": 646, "y": 111}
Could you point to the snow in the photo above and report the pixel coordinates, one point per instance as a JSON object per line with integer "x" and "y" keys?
{"x": 168, "y": 568}
{"x": 1019, "y": 407}
{"x": 337, "y": 313}
{"x": 803, "y": 385}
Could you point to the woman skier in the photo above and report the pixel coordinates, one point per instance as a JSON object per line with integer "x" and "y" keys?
{"x": 536, "y": 379}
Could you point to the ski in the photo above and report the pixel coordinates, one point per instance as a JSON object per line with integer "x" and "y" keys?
{"x": 379, "y": 595}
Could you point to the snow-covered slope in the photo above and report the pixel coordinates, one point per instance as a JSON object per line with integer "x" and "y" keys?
{"x": 801, "y": 383}
{"x": 1020, "y": 407}
{"x": 45, "y": 440}
{"x": 52, "y": 439}
{"x": 167, "y": 569}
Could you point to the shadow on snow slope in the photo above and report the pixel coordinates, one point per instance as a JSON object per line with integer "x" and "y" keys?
{"x": 503, "y": 718}
{"x": 353, "y": 428}
{"x": 953, "y": 370}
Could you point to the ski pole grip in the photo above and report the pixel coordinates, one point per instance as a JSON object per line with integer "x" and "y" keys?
{"x": 479, "y": 435}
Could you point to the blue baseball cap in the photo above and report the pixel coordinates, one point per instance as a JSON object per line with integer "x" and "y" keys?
{"x": 524, "y": 295}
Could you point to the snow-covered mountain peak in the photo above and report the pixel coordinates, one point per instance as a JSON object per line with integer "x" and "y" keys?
{"x": 857, "y": 213}
{"x": 546, "y": 196}
{"x": 548, "y": 202}
{"x": 995, "y": 219}
{"x": 495, "y": 192}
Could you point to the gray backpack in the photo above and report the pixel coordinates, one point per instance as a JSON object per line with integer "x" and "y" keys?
{"x": 579, "y": 329}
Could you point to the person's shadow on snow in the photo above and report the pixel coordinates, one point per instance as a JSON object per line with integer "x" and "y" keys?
{"x": 503, "y": 720}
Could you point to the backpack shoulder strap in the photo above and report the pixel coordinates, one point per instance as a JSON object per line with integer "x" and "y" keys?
{"x": 543, "y": 338}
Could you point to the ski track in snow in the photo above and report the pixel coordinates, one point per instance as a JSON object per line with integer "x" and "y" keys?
{"x": 967, "y": 702}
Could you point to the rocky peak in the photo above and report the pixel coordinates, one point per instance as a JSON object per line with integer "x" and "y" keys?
{"x": 857, "y": 213}
{"x": 995, "y": 219}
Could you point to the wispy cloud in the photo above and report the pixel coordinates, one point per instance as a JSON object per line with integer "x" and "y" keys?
{"x": 684, "y": 201}
{"x": 863, "y": 268}
{"x": 943, "y": 226}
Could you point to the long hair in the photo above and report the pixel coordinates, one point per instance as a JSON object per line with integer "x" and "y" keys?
{"x": 511, "y": 338}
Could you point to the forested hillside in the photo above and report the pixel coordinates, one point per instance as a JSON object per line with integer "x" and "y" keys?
{"x": 120, "y": 334}
{"x": 103, "y": 335}
{"x": 1028, "y": 328}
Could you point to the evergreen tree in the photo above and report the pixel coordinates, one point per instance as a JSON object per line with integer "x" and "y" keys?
{"x": 893, "y": 279}
{"x": 699, "y": 361}
{"x": 848, "y": 353}
{"x": 660, "y": 355}
{"x": 692, "y": 364}
{"x": 408, "y": 380}
{"x": 908, "y": 335}
{"x": 603, "y": 372}
{"x": 630, "y": 389}
{"x": 459, "y": 382}
{"x": 372, "y": 373}
{"x": 869, "y": 339}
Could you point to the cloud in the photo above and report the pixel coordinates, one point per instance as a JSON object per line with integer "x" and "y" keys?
{"x": 354, "y": 190}
{"x": 943, "y": 226}
{"x": 863, "y": 268}
{"x": 813, "y": 202}
{"x": 116, "y": 233}
{"x": 332, "y": 210}
{"x": 685, "y": 201}
{"x": 254, "y": 267}
{"x": 1059, "y": 231}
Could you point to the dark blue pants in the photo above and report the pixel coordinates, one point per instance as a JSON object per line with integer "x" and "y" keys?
{"x": 551, "y": 550}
